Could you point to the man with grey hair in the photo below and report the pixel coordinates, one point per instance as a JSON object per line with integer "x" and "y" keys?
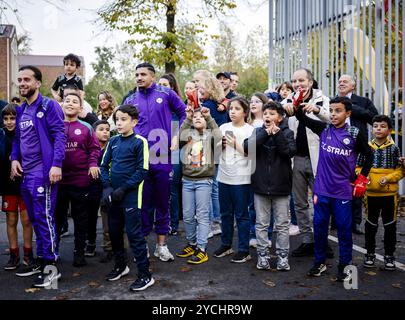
{"x": 363, "y": 112}
{"x": 316, "y": 106}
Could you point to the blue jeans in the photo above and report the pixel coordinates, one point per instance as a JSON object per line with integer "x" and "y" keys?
{"x": 342, "y": 210}
{"x": 196, "y": 210}
{"x": 252, "y": 216}
{"x": 234, "y": 202}
{"x": 215, "y": 214}
{"x": 175, "y": 196}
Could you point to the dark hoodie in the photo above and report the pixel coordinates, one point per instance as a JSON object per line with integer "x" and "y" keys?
{"x": 273, "y": 172}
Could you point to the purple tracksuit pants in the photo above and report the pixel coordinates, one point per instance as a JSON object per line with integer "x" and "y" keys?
{"x": 40, "y": 200}
{"x": 155, "y": 200}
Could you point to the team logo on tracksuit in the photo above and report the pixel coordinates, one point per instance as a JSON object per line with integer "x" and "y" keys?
{"x": 40, "y": 114}
{"x": 159, "y": 100}
{"x": 78, "y": 132}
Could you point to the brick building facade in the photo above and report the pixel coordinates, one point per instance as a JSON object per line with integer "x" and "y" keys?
{"x": 8, "y": 62}
{"x": 50, "y": 66}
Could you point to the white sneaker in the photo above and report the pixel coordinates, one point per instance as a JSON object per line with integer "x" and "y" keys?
{"x": 263, "y": 261}
{"x": 163, "y": 253}
{"x": 269, "y": 244}
{"x": 253, "y": 243}
{"x": 282, "y": 262}
{"x": 294, "y": 230}
{"x": 210, "y": 235}
{"x": 216, "y": 228}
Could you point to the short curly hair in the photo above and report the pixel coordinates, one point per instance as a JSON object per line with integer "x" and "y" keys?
{"x": 72, "y": 57}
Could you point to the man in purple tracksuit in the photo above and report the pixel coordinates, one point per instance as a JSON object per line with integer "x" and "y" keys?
{"x": 37, "y": 154}
{"x": 156, "y": 104}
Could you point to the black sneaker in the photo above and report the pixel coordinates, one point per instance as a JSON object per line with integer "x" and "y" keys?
{"x": 304, "y": 250}
{"x": 106, "y": 256}
{"x": 317, "y": 270}
{"x": 79, "y": 260}
{"x": 369, "y": 260}
{"x": 389, "y": 262}
{"x": 241, "y": 257}
{"x": 329, "y": 252}
{"x": 47, "y": 280}
{"x": 142, "y": 283}
{"x": 117, "y": 273}
{"x": 34, "y": 268}
{"x": 90, "y": 250}
{"x": 13, "y": 263}
{"x": 342, "y": 275}
{"x": 223, "y": 251}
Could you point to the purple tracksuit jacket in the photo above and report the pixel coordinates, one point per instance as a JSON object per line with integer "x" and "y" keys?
{"x": 156, "y": 105}
{"x": 82, "y": 152}
{"x": 38, "y": 194}
{"x": 49, "y": 127}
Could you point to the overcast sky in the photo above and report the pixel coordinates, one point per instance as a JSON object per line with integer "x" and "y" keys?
{"x": 56, "y": 32}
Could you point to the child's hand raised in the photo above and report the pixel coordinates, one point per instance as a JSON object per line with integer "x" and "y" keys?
{"x": 221, "y": 107}
{"x": 189, "y": 112}
{"x": 271, "y": 127}
{"x": 205, "y": 112}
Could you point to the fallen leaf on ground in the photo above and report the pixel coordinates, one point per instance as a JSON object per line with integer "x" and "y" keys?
{"x": 185, "y": 269}
{"x": 396, "y": 285}
{"x": 269, "y": 283}
{"x": 62, "y": 297}
{"x": 371, "y": 273}
{"x": 93, "y": 284}
{"x": 32, "y": 290}
{"x": 76, "y": 290}
{"x": 76, "y": 274}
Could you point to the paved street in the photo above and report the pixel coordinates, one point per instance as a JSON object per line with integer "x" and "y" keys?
{"x": 217, "y": 279}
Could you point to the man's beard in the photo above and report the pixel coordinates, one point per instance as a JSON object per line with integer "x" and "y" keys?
{"x": 29, "y": 94}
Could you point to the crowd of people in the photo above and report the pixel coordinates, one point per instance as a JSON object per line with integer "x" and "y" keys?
{"x": 289, "y": 161}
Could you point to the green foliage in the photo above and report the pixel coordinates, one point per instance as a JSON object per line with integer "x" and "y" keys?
{"x": 249, "y": 59}
{"x": 106, "y": 76}
{"x": 163, "y": 44}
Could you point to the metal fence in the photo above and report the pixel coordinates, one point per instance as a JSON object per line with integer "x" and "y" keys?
{"x": 332, "y": 37}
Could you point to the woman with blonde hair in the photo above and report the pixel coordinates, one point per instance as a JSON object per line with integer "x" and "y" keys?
{"x": 212, "y": 96}
{"x": 106, "y": 107}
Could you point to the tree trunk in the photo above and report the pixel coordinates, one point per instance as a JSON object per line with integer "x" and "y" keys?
{"x": 170, "y": 65}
